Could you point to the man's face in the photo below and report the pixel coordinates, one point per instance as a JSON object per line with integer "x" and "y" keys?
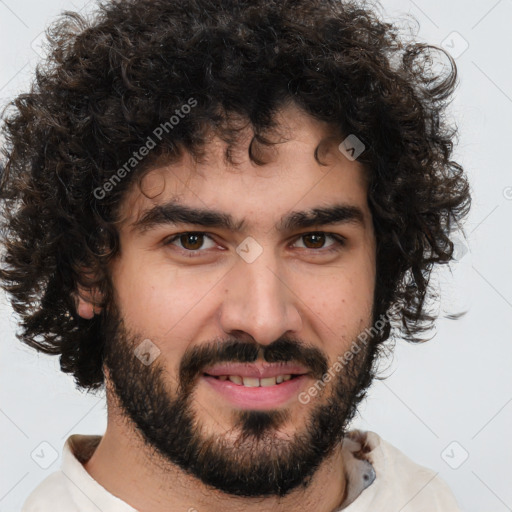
{"x": 244, "y": 321}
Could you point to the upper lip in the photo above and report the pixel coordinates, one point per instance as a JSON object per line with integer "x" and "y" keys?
{"x": 256, "y": 370}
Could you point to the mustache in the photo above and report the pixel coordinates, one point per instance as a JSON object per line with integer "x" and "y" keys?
{"x": 196, "y": 359}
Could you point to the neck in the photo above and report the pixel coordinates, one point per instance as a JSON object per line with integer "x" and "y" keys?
{"x": 148, "y": 483}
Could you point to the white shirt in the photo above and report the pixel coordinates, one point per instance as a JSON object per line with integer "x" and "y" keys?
{"x": 380, "y": 478}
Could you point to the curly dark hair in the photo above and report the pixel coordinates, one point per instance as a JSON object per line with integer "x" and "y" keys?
{"x": 112, "y": 78}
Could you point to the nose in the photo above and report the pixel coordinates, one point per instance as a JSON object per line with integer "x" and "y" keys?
{"x": 259, "y": 302}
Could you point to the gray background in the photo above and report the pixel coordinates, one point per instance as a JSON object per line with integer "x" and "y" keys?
{"x": 446, "y": 403}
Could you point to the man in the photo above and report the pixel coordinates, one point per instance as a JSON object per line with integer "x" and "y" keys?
{"x": 220, "y": 210}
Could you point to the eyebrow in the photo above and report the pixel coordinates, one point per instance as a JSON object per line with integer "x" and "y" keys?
{"x": 174, "y": 213}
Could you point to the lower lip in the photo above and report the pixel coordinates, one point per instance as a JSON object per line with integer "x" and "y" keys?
{"x": 267, "y": 397}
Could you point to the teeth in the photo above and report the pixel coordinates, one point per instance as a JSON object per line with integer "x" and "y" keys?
{"x": 253, "y": 382}
{"x": 269, "y": 381}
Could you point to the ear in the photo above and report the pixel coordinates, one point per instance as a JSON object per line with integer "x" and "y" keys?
{"x": 86, "y": 302}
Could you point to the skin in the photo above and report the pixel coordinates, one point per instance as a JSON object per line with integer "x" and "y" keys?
{"x": 291, "y": 289}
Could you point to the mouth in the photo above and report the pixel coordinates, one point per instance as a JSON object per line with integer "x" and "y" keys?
{"x": 253, "y": 386}
{"x": 254, "y": 382}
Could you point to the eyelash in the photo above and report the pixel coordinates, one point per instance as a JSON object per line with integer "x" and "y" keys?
{"x": 339, "y": 242}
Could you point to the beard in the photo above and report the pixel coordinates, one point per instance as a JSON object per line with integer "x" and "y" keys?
{"x": 257, "y": 462}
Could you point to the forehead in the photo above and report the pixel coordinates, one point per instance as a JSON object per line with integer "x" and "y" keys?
{"x": 291, "y": 179}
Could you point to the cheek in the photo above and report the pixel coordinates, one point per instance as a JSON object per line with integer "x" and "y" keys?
{"x": 339, "y": 305}
{"x": 345, "y": 291}
{"x": 157, "y": 300}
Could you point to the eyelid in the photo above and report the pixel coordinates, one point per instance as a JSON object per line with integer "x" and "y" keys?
{"x": 339, "y": 239}
{"x": 173, "y": 238}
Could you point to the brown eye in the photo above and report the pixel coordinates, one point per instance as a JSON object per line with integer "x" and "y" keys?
{"x": 191, "y": 241}
{"x": 314, "y": 240}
